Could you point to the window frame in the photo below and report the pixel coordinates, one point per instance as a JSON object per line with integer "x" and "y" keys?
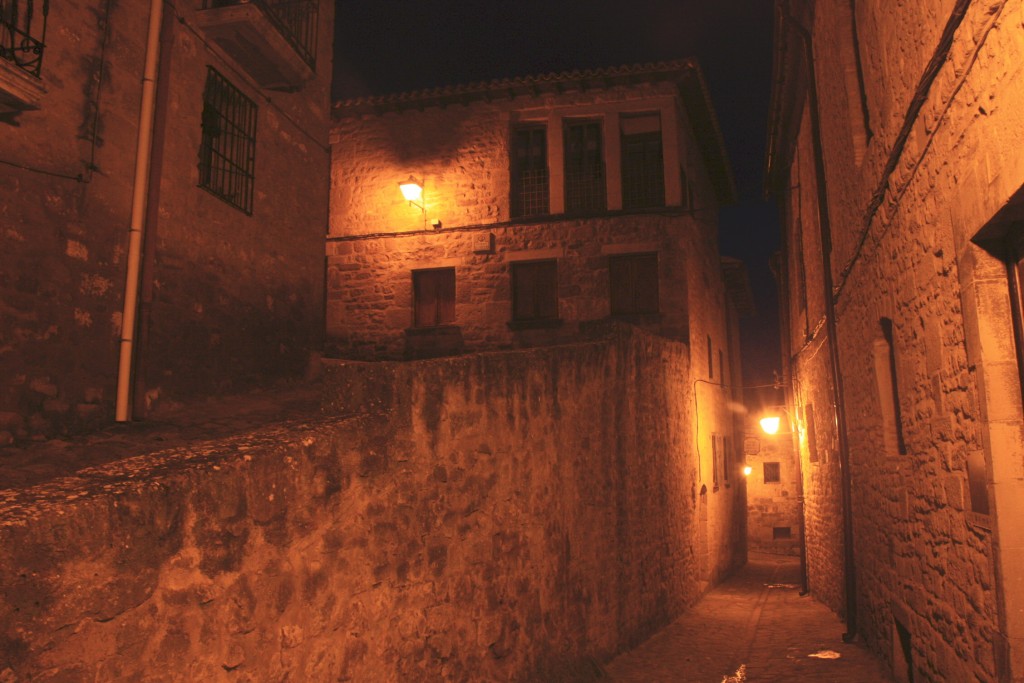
{"x": 642, "y": 164}
{"x": 443, "y": 316}
{"x": 775, "y": 468}
{"x": 529, "y": 172}
{"x": 583, "y": 194}
{"x": 544, "y": 292}
{"x": 637, "y": 272}
{"x": 228, "y": 123}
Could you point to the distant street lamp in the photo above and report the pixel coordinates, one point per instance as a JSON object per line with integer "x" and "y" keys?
{"x": 770, "y": 424}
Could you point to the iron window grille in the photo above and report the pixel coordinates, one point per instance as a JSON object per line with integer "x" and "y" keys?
{"x": 643, "y": 170}
{"x": 433, "y": 297}
{"x": 23, "y": 33}
{"x": 772, "y": 473}
{"x": 293, "y": 19}
{"x": 633, "y": 281}
{"x": 535, "y": 290}
{"x": 529, "y": 172}
{"x": 584, "y": 167}
{"x": 227, "y": 155}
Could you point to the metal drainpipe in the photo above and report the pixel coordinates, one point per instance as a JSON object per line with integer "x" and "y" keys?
{"x": 849, "y": 568}
{"x": 140, "y": 196}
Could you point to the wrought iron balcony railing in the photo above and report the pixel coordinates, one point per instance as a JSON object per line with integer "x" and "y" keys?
{"x": 294, "y": 19}
{"x": 23, "y": 33}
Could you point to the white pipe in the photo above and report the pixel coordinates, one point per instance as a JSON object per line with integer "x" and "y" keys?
{"x": 140, "y": 195}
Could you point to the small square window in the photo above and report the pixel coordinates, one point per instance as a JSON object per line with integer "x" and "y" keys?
{"x": 772, "y": 473}
{"x": 782, "y": 532}
{"x": 227, "y": 154}
{"x": 434, "y": 297}
{"x": 535, "y": 290}
{"x": 633, "y": 280}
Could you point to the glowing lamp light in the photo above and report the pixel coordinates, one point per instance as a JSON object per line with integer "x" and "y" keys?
{"x": 412, "y": 190}
{"x": 770, "y": 424}
{"x": 747, "y": 470}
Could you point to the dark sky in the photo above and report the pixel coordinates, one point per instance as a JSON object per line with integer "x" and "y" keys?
{"x": 385, "y": 46}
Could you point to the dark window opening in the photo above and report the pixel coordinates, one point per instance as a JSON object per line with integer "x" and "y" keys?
{"x": 711, "y": 360}
{"x": 977, "y": 481}
{"x": 529, "y": 172}
{"x": 726, "y": 458}
{"x": 1015, "y": 275}
{"x": 633, "y": 280}
{"x": 433, "y": 297}
{"x": 643, "y": 170}
{"x": 23, "y": 33}
{"x": 772, "y": 473}
{"x": 903, "y": 651}
{"x": 535, "y": 290}
{"x": 721, "y": 366}
{"x": 782, "y": 532}
{"x": 812, "y": 433}
{"x": 584, "y": 167}
{"x": 716, "y": 451}
{"x": 887, "y": 333}
{"x": 227, "y": 155}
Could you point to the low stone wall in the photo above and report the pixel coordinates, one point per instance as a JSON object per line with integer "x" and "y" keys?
{"x": 509, "y": 516}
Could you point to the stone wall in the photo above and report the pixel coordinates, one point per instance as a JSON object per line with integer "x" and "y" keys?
{"x": 937, "y": 560}
{"x": 507, "y": 516}
{"x": 227, "y": 299}
{"x": 773, "y": 507}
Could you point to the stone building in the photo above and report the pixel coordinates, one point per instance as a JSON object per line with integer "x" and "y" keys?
{"x": 893, "y": 152}
{"x": 548, "y": 203}
{"x": 224, "y": 221}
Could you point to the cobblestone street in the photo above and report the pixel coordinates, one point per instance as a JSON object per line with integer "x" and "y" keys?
{"x": 753, "y": 627}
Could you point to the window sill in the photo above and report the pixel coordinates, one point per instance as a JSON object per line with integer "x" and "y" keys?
{"x": 978, "y": 520}
{"x": 536, "y": 324}
{"x": 431, "y": 330}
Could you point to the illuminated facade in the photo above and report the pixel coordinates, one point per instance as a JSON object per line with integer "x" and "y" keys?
{"x": 548, "y": 203}
{"x": 893, "y": 152}
{"x": 231, "y": 207}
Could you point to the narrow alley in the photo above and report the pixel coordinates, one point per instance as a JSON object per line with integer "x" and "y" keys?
{"x": 752, "y": 627}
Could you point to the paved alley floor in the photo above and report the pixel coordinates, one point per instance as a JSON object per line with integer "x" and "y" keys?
{"x": 753, "y": 628}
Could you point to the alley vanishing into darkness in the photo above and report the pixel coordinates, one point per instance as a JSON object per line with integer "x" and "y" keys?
{"x": 755, "y": 626}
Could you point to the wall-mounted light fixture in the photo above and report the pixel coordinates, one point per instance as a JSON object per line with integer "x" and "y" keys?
{"x": 772, "y": 420}
{"x": 747, "y": 469}
{"x": 770, "y": 424}
{"x": 412, "y": 190}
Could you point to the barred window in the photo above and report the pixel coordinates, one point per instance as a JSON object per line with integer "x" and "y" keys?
{"x": 772, "y": 473}
{"x": 228, "y": 150}
{"x": 529, "y": 171}
{"x": 633, "y": 280}
{"x": 643, "y": 171}
{"x": 535, "y": 290}
{"x": 584, "y": 167}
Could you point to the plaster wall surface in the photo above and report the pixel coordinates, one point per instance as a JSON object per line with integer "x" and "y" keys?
{"x": 228, "y": 299}
{"x": 930, "y": 558}
{"x": 501, "y": 516}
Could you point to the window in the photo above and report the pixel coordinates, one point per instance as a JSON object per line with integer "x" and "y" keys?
{"x": 772, "y": 473}
{"x": 726, "y": 458}
{"x": 781, "y": 533}
{"x": 433, "y": 297}
{"x": 633, "y": 280}
{"x": 529, "y": 171}
{"x": 584, "y": 167}
{"x": 711, "y": 360}
{"x": 643, "y": 174}
{"x": 716, "y": 454}
{"x": 227, "y": 153}
{"x": 535, "y": 290}
{"x": 721, "y": 366}
{"x": 812, "y": 433}
{"x": 888, "y": 388}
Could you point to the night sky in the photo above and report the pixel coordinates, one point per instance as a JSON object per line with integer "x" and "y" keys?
{"x": 386, "y": 46}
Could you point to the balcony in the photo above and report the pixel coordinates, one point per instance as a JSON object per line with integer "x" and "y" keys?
{"x": 273, "y": 40}
{"x": 22, "y": 39}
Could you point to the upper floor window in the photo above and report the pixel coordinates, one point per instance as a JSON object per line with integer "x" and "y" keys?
{"x": 227, "y": 154}
{"x": 529, "y": 171}
{"x": 643, "y": 171}
{"x": 633, "y": 280}
{"x": 23, "y": 33}
{"x": 887, "y": 380}
{"x": 584, "y": 167}
{"x": 535, "y": 290}
{"x": 433, "y": 297}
